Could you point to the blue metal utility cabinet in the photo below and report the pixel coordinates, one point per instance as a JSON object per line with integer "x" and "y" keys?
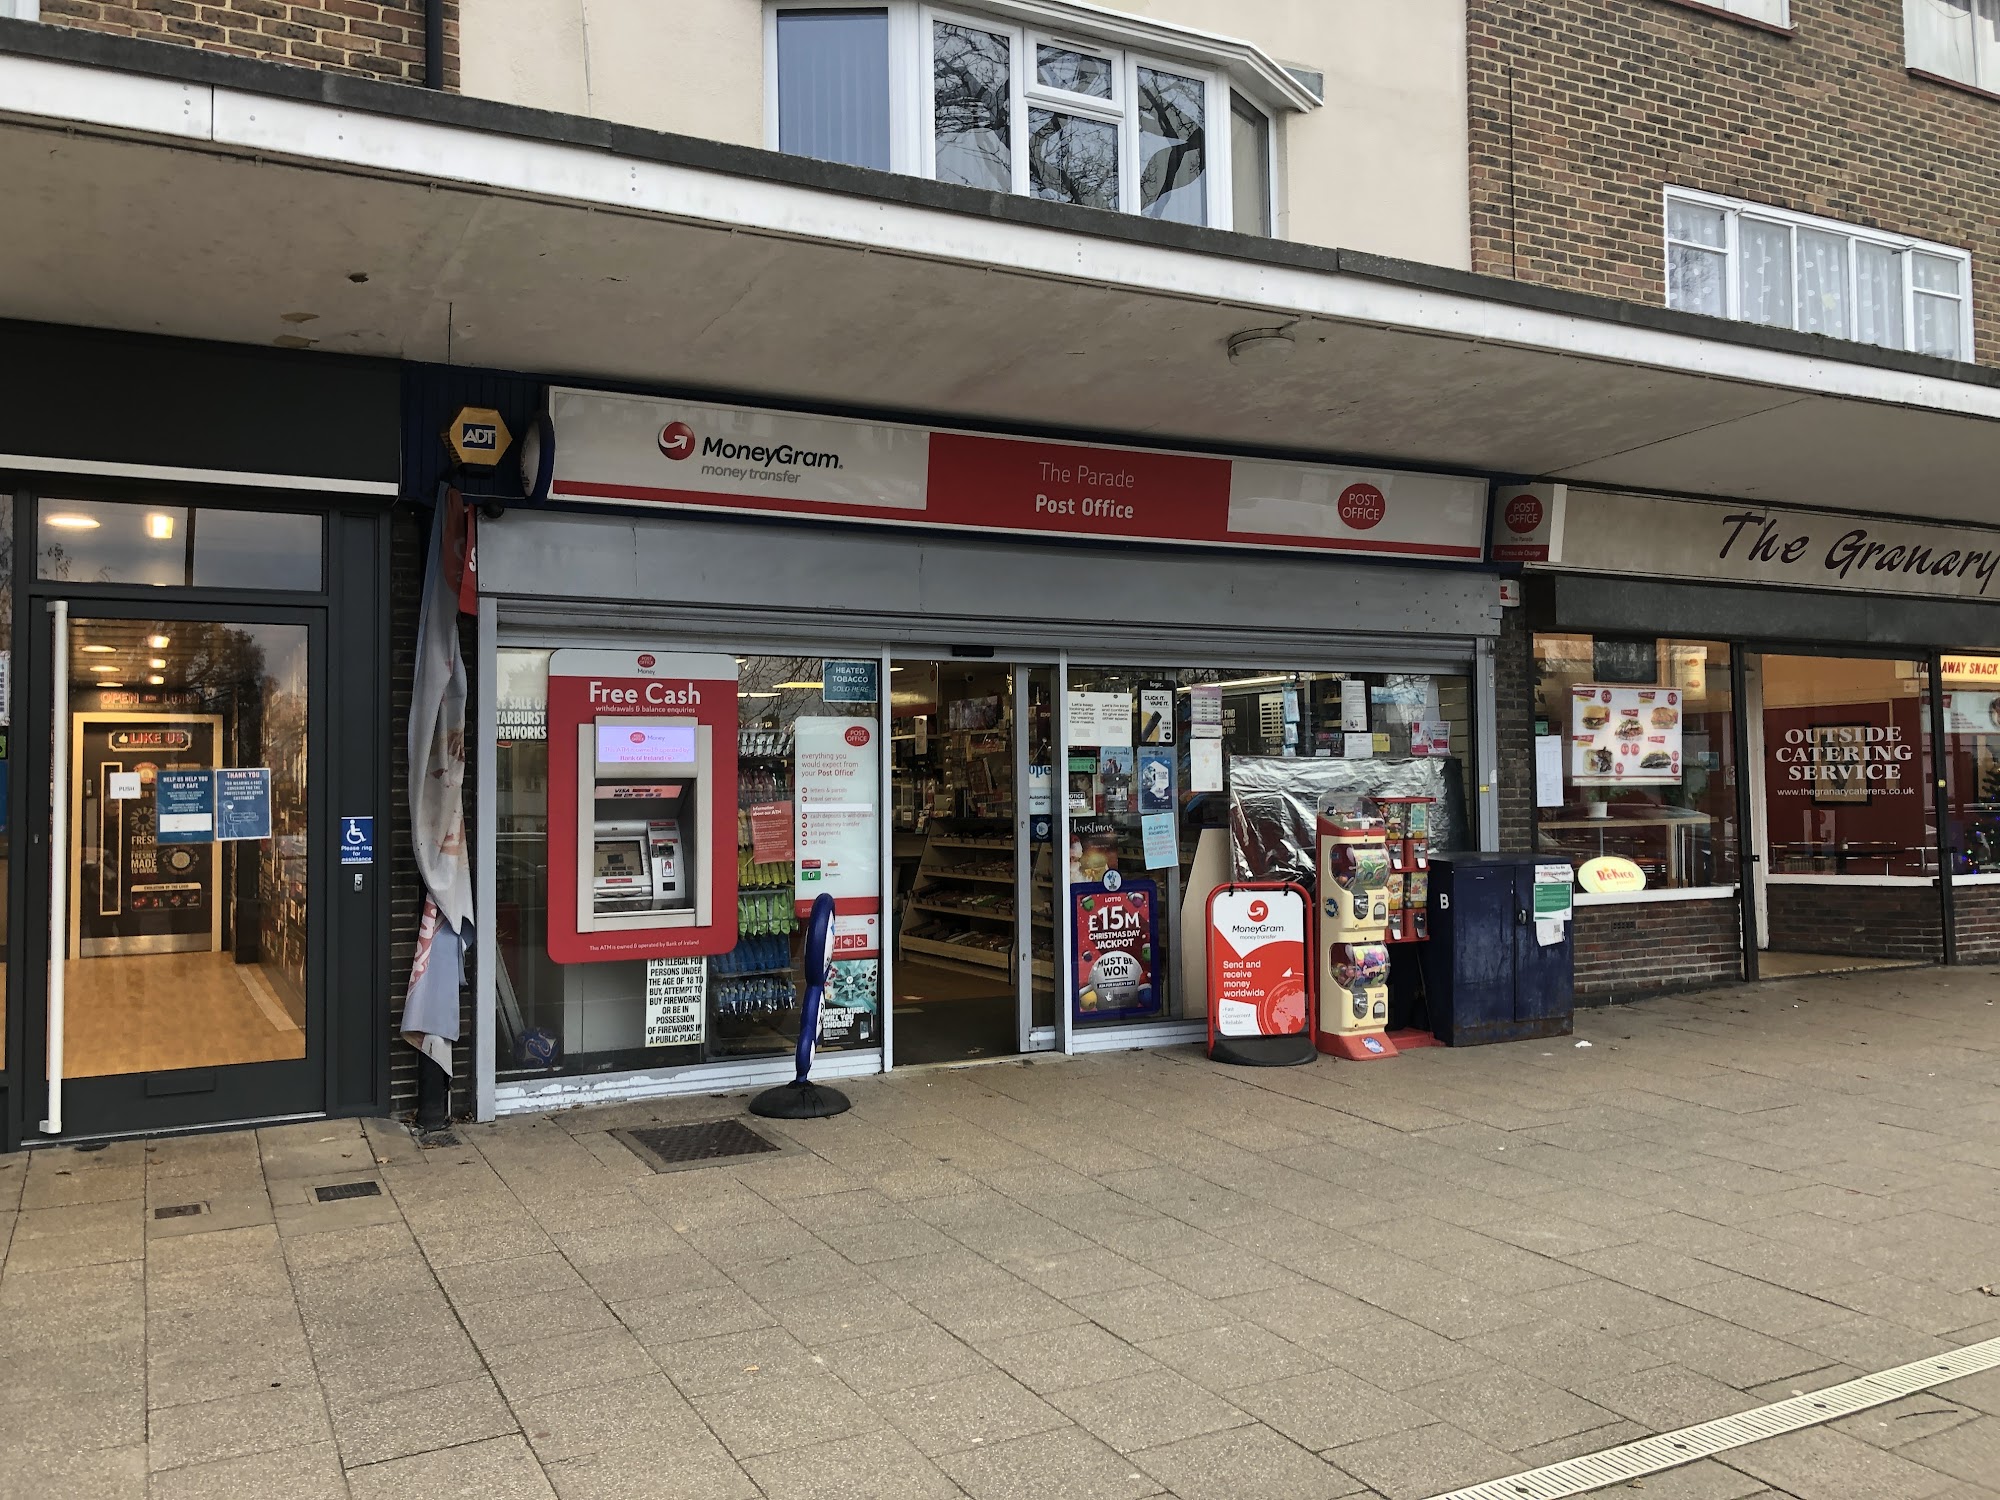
{"x": 1489, "y": 973}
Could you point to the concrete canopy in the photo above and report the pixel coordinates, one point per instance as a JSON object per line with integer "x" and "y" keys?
{"x": 215, "y": 199}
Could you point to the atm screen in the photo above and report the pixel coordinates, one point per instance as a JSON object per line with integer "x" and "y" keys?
{"x": 621, "y": 858}
{"x": 640, "y": 743}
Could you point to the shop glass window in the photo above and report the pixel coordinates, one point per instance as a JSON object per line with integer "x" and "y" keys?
{"x": 1971, "y": 686}
{"x": 1955, "y": 39}
{"x": 1846, "y": 750}
{"x": 6, "y": 767}
{"x": 579, "y": 1018}
{"x": 1155, "y": 757}
{"x": 833, "y": 85}
{"x": 1758, "y": 264}
{"x": 175, "y": 546}
{"x": 1635, "y": 756}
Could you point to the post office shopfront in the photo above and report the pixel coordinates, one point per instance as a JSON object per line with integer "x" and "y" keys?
{"x": 738, "y": 658}
{"x": 1828, "y": 794}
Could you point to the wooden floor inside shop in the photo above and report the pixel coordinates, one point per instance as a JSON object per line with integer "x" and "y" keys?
{"x": 154, "y": 1012}
{"x": 944, "y": 1014}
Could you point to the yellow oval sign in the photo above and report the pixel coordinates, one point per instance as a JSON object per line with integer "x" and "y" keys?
{"x": 1610, "y": 872}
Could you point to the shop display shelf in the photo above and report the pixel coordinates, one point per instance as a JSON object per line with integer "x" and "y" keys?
{"x": 988, "y": 913}
{"x": 997, "y": 846}
{"x": 982, "y": 957}
{"x": 946, "y": 872}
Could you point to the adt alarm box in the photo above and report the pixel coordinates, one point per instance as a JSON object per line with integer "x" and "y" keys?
{"x": 1493, "y": 969}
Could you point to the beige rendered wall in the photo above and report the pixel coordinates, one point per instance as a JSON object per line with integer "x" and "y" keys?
{"x": 693, "y": 67}
{"x": 1381, "y": 167}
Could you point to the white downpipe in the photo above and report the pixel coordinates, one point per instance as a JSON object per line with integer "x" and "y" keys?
{"x": 58, "y": 864}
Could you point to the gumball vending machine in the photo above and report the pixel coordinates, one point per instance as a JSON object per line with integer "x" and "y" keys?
{"x": 1353, "y": 925}
{"x": 1407, "y": 831}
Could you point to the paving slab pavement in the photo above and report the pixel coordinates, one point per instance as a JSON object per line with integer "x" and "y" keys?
{"x": 1124, "y": 1275}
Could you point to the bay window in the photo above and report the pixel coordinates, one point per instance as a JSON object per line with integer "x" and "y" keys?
{"x": 984, "y": 101}
{"x": 1758, "y": 264}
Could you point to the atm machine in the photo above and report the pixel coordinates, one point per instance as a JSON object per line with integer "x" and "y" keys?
{"x": 643, "y": 825}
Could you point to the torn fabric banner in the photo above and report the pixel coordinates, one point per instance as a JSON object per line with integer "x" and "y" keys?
{"x": 437, "y": 801}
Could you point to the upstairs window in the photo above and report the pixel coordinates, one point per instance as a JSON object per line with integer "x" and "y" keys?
{"x": 1758, "y": 264}
{"x": 1955, "y": 39}
{"x": 988, "y": 104}
{"x": 833, "y": 85}
{"x": 1775, "y": 12}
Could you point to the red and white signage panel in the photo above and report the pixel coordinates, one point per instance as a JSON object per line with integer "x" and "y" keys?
{"x": 1259, "y": 961}
{"x": 599, "y": 688}
{"x": 625, "y": 450}
{"x": 1528, "y": 522}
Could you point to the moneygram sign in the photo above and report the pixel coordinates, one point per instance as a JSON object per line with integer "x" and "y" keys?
{"x": 642, "y": 451}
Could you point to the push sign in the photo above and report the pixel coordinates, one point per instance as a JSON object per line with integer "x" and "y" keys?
{"x": 357, "y": 841}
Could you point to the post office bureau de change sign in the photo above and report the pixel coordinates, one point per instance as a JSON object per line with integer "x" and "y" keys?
{"x": 1733, "y": 541}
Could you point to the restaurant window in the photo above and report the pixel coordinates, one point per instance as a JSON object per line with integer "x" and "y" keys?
{"x": 555, "y": 1018}
{"x": 1972, "y": 763}
{"x": 1635, "y": 758}
{"x": 1156, "y": 766}
{"x": 1846, "y": 763}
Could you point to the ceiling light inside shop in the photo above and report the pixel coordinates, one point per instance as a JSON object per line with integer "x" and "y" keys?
{"x": 100, "y": 650}
{"x": 110, "y": 684}
{"x": 1237, "y": 682}
{"x": 70, "y": 521}
{"x": 158, "y": 642}
{"x": 756, "y": 695}
{"x": 157, "y": 662}
{"x": 159, "y": 526}
{"x": 1260, "y": 346}
{"x": 157, "y": 681}
{"x": 104, "y": 667}
{"x": 813, "y": 685}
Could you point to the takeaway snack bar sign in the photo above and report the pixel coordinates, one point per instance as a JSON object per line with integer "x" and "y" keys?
{"x": 1733, "y": 541}
{"x": 630, "y": 450}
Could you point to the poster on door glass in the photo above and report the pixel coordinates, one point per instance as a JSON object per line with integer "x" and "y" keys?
{"x": 1624, "y": 736}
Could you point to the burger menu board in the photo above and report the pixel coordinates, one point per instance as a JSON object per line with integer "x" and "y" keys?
{"x": 1624, "y": 736}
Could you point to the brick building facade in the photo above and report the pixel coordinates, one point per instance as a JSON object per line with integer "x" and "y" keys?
{"x": 363, "y": 37}
{"x": 1583, "y": 111}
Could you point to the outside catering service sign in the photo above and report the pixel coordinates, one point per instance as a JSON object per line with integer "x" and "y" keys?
{"x": 645, "y": 450}
{"x": 1738, "y": 541}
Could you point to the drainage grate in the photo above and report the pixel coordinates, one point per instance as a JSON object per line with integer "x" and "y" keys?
{"x": 1595, "y": 1471}
{"x": 431, "y": 1139}
{"x": 340, "y": 1190}
{"x": 179, "y": 1210}
{"x": 669, "y": 1146}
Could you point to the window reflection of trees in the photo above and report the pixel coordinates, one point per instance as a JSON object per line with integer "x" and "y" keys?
{"x": 1172, "y": 145}
{"x": 971, "y": 79}
{"x": 1072, "y": 160}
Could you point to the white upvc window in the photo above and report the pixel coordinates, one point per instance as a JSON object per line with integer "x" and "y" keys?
{"x": 988, "y": 102}
{"x": 22, "y": 10}
{"x": 1955, "y": 39}
{"x": 1776, "y": 12}
{"x": 1733, "y": 259}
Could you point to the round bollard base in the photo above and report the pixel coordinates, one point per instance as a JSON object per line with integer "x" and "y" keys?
{"x": 800, "y": 1101}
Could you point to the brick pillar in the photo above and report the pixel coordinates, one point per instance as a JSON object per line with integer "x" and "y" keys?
{"x": 1514, "y": 720}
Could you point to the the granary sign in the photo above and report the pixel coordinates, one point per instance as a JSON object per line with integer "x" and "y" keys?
{"x": 1733, "y": 541}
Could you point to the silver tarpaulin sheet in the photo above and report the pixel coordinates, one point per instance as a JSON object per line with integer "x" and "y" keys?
{"x": 1273, "y": 806}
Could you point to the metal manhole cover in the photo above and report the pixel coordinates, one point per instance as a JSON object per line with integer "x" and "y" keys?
{"x": 340, "y": 1190}
{"x": 179, "y": 1211}
{"x": 668, "y": 1148}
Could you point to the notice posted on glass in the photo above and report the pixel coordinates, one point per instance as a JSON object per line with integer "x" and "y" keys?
{"x": 676, "y": 1001}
